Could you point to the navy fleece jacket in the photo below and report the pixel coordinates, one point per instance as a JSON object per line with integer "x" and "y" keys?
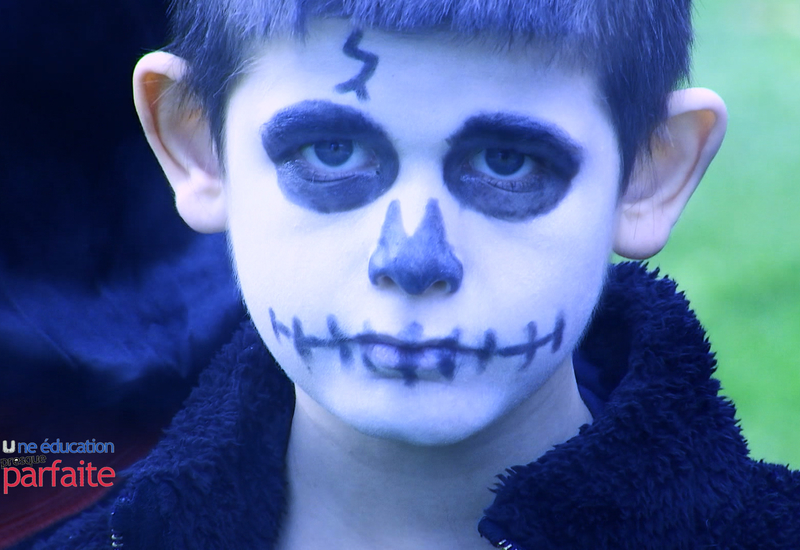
{"x": 663, "y": 465}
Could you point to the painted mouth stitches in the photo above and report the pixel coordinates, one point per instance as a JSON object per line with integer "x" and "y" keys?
{"x": 409, "y": 363}
{"x": 411, "y": 354}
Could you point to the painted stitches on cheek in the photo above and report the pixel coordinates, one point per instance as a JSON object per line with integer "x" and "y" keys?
{"x": 510, "y": 167}
{"x": 408, "y": 356}
{"x": 358, "y": 83}
{"x": 329, "y": 157}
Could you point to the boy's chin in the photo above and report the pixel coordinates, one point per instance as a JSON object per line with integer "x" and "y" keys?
{"x": 428, "y": 411}
{"x": 422, "y": 435}
{"x": 426, "y": 423}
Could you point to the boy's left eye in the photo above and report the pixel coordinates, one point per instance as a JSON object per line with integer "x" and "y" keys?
{"x": 510, "y": 166}
{"x": 503, "y": 163}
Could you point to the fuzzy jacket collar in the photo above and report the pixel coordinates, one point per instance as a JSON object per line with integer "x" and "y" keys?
{"x": 664, "y": 465}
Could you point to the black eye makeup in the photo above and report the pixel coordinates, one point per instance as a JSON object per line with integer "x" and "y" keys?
{"x": 509, "y": 166}
{"x": 329, "y": 157}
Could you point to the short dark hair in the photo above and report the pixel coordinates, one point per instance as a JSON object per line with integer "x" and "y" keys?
{"x": 639, "y": 50}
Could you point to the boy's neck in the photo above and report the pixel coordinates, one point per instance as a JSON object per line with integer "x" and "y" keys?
{"x": 350, "y": 490}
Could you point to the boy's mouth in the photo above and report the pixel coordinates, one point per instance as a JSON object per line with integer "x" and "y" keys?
{"x": 410, "y": 362}
{"x": 412, "y": 359}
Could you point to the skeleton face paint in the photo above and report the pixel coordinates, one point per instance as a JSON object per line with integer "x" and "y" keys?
{"x": 329, "y": 157}
{"x": 509, "y": 167}
{"x": 419, "y": 262}
{"x": 422, "y": 262}
{"x": 409, "y": 357}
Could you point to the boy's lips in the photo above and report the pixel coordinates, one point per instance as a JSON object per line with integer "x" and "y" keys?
{"x": 426, "y": 362}
{"x": 398, "y": 356}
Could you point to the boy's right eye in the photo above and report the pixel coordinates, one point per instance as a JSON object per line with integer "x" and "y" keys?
{"x": 330, "y": 152}
{"x": 329, "y": 157}
{"x": 336, "y": 155}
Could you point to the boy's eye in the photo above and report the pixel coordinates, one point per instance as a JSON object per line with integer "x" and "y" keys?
{"x": 506, "y": 183}
{"x": 331, "y": 161}
{"x": 492, "y": 172}
{"x": 329, "y": 157}
{"x": 510, "y": 167}
{"x": 503, "y": 163}
{"x": 335, "y": 153}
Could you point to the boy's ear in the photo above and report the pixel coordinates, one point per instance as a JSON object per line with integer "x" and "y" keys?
{"x": 661, "y": 184}
{"x": 181, "y": 140}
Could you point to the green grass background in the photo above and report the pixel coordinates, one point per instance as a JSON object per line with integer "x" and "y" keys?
{"x": 736, "y": 250}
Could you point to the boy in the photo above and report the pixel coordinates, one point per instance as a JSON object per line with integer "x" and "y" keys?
{"x": 421, "y": 199}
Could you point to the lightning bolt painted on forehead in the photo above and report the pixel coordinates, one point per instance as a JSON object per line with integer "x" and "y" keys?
{"x": 357, "y": 84}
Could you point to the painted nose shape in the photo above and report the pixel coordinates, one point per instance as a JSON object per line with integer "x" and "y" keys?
{"x": 419, "y": 262}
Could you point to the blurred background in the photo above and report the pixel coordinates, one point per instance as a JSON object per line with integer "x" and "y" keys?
{"x": 736, "y": 250}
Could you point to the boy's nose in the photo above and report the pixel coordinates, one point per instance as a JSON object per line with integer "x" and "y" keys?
{"x": 418, "y": 262}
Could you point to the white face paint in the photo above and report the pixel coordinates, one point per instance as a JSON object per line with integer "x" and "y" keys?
{"x": 376, "y": 348}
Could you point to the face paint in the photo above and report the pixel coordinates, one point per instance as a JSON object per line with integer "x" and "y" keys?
{"x": 407, "y": 355}
{"x": 418, "y": 262}
{"x": 329, "y": 157}
{"x": 510, "y": 167}
{"x": 326, "y": 291}
{"x": 357, "y": 84}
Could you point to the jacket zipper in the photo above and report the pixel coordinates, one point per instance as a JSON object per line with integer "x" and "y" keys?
{"x": 494, "y": 534}
{"x": 116, "y": 540}
{"x": 506, "y": 545}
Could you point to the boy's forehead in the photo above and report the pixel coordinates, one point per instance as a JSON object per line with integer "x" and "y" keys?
{"x": 420, "y": 95}
{"x": 370, "y": 63}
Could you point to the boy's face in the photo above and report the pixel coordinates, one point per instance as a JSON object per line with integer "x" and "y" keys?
{"x": 422, "y": 258}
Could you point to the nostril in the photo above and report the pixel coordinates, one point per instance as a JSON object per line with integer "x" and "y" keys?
{"x": 441, "y": 286}
{"x": 384, "y": 281}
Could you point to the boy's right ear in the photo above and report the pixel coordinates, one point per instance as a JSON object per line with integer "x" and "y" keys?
{"x": 181, "y": 139}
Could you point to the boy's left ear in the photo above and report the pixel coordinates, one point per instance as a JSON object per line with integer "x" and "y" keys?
{"x": 661, "y": 184}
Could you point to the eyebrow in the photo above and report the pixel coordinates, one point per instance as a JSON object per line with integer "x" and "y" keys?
{"x": 315, "y": 120}
{"x": 519, "y": 132}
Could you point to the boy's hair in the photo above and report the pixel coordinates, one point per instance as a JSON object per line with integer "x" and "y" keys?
{"x": 639, "y": 50}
